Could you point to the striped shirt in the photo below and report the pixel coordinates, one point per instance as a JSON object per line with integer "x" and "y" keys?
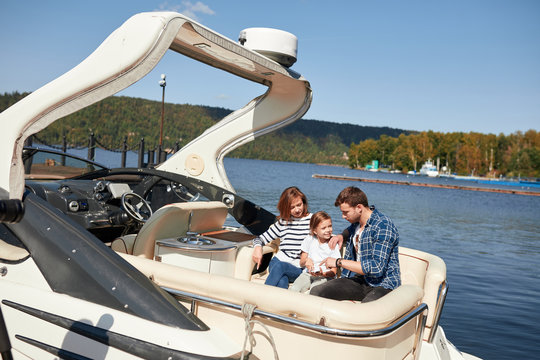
{"x": 291, "y": 234}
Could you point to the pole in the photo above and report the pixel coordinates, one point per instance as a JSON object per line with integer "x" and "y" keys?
{"x": 91, "y": 147}
{"x": 124, "y": 152}
{"x": 162, "y": 116}
{"x": 162, "y": 83}
{"x": 64, "y": 149}
{"x": 140, "y": 164}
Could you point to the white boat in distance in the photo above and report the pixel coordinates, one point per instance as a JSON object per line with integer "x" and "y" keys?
{"x": 138, "y": 264}
{"x": 429, "y": 169}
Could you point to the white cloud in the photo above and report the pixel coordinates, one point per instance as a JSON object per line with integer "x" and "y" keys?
{"x": 187, "y": 8}
{"x": 223, "y": 97}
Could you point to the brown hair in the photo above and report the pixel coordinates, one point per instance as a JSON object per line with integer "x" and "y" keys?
{"x": 316, "y": 219}
{"x": 285, "y": 200}
{"x": 352, "y": 196}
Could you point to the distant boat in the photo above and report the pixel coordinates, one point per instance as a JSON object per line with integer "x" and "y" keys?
{"x": 429, "y": 169}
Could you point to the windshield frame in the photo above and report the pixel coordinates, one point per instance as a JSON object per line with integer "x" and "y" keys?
{"x": 56, "y": 165}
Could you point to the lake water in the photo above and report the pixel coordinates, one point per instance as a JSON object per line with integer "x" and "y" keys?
{"x": 489, "y": 241}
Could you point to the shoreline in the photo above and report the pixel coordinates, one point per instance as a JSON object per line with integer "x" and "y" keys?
{"x": 442, "y": 186}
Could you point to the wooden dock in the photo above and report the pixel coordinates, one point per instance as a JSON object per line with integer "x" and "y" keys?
{"x": 442, "y": 186}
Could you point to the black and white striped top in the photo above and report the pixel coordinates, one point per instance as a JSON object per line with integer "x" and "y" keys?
{"x": 291, "y": 234}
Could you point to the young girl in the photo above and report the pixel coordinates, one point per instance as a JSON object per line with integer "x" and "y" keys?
{"x": 291, "y": 228}
{"x": 314, "y": 250}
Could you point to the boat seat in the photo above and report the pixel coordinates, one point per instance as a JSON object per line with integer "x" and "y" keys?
{"x": 428, "y": 272}
{"x": 11, "y": 253}
{"x": 173, "y": 221}
{"x": 418, "y": 268}
{"x": 124, "y": 244}
{"x": 244, "y": 266}
{"x": 347, "y": 315}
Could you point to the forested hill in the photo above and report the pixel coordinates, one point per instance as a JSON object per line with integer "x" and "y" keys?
{"x": 114, "y": 118}
{"x": 348, "y": 133}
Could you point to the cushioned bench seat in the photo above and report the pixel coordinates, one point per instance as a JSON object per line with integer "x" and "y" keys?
{"x": 345, "y": 315}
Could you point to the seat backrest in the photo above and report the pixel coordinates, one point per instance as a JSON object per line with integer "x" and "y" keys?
{"x": 173, "y": 220}
{"x": 413, "y": 269}
{"x": 10, "y": 252}
{"x": 244, "y": 265}
{"x": 427, "y": 271}
{"x": 346, "y": 315}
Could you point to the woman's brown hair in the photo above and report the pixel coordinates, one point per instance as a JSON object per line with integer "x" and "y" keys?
{"x": 286, "y": 199}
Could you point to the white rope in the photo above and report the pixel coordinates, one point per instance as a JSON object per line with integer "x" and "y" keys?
{"x": 247, "y": 311}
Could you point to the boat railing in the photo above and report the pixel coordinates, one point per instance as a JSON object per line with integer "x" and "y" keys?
{"x": 441, "y": 298}
{"x": 420, "y": 310}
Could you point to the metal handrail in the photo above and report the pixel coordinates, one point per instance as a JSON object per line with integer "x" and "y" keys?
{"x": 441, "y": 298}
{"x": 320, "y": 328}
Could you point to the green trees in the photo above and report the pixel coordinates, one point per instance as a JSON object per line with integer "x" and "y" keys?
{"x": 119, "y": 117}
{"x": 491, "y": 155}
{"x": 312, "y": 141}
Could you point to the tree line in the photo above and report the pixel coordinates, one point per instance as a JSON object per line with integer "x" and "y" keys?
{"x": 514, "y": 155}
{"x": 120, "y": 117}
{"x": 311, "y": 141}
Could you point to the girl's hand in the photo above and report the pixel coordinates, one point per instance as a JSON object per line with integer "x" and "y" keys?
{"x": 309, "y": 264}
{"x": 257, "y": 255}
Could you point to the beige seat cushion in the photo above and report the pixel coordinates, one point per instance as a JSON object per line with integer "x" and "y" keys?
{"x": 427, "y": 271}
{"x": 10, "y": 252}
{"x": 171, "y": 221}
{"x": 339, "y": 314}
{"x": 243, "y": 267}
{"x": 124, "y": 244}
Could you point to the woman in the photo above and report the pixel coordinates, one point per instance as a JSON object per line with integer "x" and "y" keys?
{"x": 291, "y": 228}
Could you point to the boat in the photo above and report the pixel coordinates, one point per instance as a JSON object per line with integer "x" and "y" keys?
{"x": 144, "y": 263}
{"x": 429, "y": 169}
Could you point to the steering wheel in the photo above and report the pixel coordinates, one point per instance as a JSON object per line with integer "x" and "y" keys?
{"x": 136, "y": 207}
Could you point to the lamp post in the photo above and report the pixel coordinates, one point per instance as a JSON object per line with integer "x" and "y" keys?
{"x": 162, "y": 83}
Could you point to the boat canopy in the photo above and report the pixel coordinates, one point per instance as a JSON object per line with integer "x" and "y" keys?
{"x": 127, "y": 55}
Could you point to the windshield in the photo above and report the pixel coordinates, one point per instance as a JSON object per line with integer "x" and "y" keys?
{"x": 49, "y": 164}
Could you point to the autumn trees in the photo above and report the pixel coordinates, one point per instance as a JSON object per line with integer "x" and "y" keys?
{"x": 517, "y": 154}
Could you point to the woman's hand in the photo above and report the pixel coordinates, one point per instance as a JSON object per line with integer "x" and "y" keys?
{"x": 257, "y": 255}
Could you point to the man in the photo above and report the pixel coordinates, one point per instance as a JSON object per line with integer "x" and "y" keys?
{"x": 370, "y": 268}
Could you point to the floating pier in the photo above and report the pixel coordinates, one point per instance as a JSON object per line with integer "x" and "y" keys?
{"x": 442, "y": 186}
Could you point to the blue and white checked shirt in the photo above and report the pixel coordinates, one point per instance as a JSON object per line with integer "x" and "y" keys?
{"x": 378, "y": 251}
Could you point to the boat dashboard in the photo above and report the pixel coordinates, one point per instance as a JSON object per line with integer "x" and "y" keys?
{"x": 109, "y": 208}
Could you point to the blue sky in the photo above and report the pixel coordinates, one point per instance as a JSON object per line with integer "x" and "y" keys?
{"x": 459, "y": 65}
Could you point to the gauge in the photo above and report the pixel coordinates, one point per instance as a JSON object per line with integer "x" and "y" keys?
{"x": 100, "y": 186}
{"x": 73, "y": 206}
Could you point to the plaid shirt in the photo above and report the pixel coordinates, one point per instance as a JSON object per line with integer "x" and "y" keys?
{"x": 378, "y": 250}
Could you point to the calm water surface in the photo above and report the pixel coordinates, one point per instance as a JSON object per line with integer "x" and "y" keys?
{"x": 489, "y": 241}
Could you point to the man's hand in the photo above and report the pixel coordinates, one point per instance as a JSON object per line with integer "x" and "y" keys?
{"x": 335, "y": 240}
{"x": 257, "y": 255}
{"x": 329, "y": 262}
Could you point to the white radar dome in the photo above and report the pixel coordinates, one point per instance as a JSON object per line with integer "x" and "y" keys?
{"x": 278, "y": 45}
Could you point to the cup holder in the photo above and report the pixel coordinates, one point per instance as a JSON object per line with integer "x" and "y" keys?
{"x": 196, "y": 240}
